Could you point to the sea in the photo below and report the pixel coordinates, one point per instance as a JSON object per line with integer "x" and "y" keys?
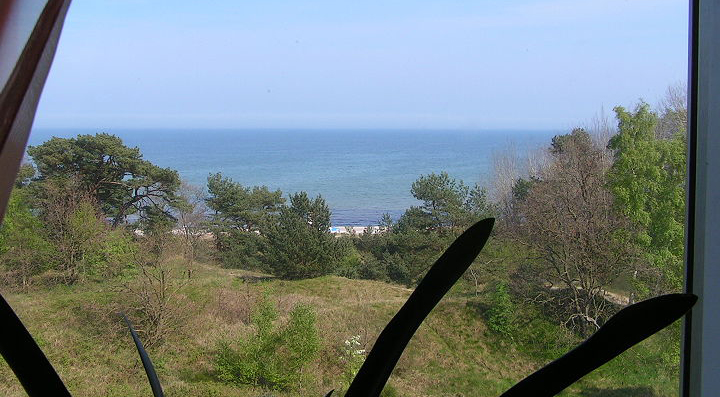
{"x": 362, "y": 174}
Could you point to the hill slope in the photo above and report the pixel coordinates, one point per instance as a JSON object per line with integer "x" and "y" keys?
{"x": 453, "y": 353}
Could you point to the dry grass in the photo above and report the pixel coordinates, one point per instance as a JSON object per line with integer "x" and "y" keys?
{"x": 80, "y": 331}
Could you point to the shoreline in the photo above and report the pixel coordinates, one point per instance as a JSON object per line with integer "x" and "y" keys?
{"x": 337, "y": 230}
{"x": 349, "y": 229}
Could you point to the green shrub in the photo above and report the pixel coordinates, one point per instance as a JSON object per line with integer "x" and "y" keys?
{"x": 241, "y": 249}
{"x": 500, "y": 315}
{"x": 371, "y": 268}
{"x": 274, "y": 356}
{"x": 296, "y": 251}
{"x": 119, "y": 251}
{"x": 349, "y": 265}
{"x": 25, "y": 249}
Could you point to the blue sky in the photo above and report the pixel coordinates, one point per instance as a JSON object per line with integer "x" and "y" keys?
{"x": 530, "y": 64}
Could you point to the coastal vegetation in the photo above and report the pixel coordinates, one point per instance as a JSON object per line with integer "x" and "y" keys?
{"x": 242, "y": 290}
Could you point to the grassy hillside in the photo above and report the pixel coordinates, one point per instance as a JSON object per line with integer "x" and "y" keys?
{"x": 453, "y": 353}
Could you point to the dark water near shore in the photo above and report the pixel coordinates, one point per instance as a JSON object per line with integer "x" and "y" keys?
{"x": 362, "y": 174}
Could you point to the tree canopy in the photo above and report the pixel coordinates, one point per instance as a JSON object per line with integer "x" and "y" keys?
{"x": 255, "y": 229}
{"x": 25, "y": 249}
{"x": 300, "y": 245}
{"x": 446, "y": 203}
{"x": 403, "y": 251}
{"x": 240, "y": 207}
{"x": 648, "y": 180}
{"x": 122, "y": 182}
{"x": 569, "y": 220}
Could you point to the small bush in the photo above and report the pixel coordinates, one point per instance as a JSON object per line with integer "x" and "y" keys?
{"x": 349, "y": 264}
{"x": 372, "y": 269}
{"x": 500, "y": 315}
{"x": 241, "y": 250}
{"x": 274, "y": 356}
{"x": 25, "y": 249}
{"x": 154, "y": 295}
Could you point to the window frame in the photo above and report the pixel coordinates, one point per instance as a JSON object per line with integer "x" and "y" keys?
{"x": 701, "y": 346}
{"x": 700, "y": 356}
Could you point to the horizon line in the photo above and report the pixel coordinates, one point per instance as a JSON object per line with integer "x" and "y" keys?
{"x": 309, "y": 129}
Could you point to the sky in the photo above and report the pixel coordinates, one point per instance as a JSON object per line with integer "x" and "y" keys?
{"x": 333, "y": 64}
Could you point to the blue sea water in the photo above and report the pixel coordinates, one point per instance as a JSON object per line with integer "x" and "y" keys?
{"x": 360, "y": 173}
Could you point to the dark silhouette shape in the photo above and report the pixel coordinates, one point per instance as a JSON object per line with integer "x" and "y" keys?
{"x": 622, "y": 331}
{"x": 381, "y": 360}
{"x": 147, "y": 363}
{"x": 625, "y": 329}
{"x": 25, "y": 358}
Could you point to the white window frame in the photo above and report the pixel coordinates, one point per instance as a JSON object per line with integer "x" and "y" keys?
{"x": 701, "y": 339}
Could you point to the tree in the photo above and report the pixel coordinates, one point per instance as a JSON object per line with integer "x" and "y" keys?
{"x": 191, "y": 217}
{"x": 569, "y": 219}
{"x": 240, "y": 207}
{"x": 505, "y": 171}
{"x": 84, "y": 243}
{"x": 385, "y": 224}
{"x": 673, "y": 113}
{"x": 25, "y": 249}
{"x": 300, "y": 244}
{"x": 118, "y": 178}
{"x": 408, "y": 253}
{"x": 578, "y": 138}
{"x": 648, "y": 180}
{"x": 25, "y": 174}
{"x": 315, "y": 213}
{"x": 154, "y": 295}
{"x": 405, "y": 249}
{"x": 241, "y": 219}
{"x": 446, "y": 203}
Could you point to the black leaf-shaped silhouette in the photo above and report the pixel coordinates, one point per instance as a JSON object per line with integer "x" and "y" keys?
{"x": 147, "y": 363}
{"x": 622, "y": 331}
{"x": 381, "y": 360}
{"x": 25, "y": 358}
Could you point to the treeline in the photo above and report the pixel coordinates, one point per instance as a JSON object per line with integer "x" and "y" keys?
{"x": 255, "y": 229}
{"x": 62, "y": 223}
{"x": 601, "y": 210}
